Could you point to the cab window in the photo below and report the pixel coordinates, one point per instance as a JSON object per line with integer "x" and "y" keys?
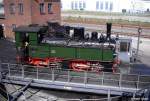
{"x": 124, "y": 47}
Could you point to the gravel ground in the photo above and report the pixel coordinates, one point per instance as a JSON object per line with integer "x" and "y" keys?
{"x": 7, "y": 51}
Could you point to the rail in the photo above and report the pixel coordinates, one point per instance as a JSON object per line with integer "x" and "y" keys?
{"x": 65, "y": 75}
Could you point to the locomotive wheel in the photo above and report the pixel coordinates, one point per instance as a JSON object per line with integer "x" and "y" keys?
{"x": 79, "y": 65}
{"x": 53, "y": 62}
{"x": 86, "y": 66}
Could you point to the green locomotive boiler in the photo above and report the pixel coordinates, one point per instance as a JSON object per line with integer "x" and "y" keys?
{"x": 57, "y": 46}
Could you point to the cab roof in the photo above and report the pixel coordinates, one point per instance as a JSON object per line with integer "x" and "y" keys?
{"x": 29, "y": 29}
{"x": 125, "y": 39}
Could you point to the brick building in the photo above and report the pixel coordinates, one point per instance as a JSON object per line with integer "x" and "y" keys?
{"x": 26, "y": 12}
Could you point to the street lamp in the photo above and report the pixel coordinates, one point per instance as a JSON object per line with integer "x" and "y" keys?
{"x": 138, "y": 42}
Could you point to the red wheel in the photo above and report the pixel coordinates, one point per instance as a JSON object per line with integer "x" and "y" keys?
{"x": 43, "y": 62}
{"x": 80, "y": 65}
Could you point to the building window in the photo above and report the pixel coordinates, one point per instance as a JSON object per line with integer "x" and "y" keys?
{"x": 61, "y": 5}
{"x": 101, "y": 5}
{"x": 49, "y": 7}
{"x": 13, "y": 26}
{"x": 80, "y": 5}
{"x": 106, "y": 5}
{"x": 76, "y": 5}
{"x": 111, "y": 6}
{"x": 84, "y": 5}
{"x": 20, "y": 8}
{"x": 97, "y": 5}
{"x": 42, "y": 8}
{"x": 12, "y": 8}
{"x": 72, "y": 5}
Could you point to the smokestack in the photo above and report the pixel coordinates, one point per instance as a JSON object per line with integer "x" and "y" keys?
{"x": 109, "y": 30}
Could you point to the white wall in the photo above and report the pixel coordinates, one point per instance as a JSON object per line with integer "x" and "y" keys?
{"x": 147, "y": 5}
{"x": 66, "y": 4}
{"x": 91, "y": 4}
{"x": 1, "y": 8}
{"x": 1, "y": 1}
{"x": 118, "y": 5}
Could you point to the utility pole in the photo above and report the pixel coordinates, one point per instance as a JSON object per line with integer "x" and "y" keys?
{"x": 138, "y": 42}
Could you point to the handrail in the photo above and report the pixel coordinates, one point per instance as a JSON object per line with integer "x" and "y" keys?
{"x": 80, "y": 72}
{"x": 118, "y": 77}
{"x": 41, "y": 67}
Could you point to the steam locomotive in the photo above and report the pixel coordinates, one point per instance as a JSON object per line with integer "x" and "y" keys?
{"x": 57, "y": 46}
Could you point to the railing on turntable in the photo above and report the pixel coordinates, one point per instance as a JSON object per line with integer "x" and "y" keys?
{"x": 85, "y": 77}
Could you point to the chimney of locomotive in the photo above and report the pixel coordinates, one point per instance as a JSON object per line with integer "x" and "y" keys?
{"x": 108, "y": 31}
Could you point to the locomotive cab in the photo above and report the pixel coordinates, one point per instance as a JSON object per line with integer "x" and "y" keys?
{"x": 25, "y": 36}
{"x": 124, "y": 50}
